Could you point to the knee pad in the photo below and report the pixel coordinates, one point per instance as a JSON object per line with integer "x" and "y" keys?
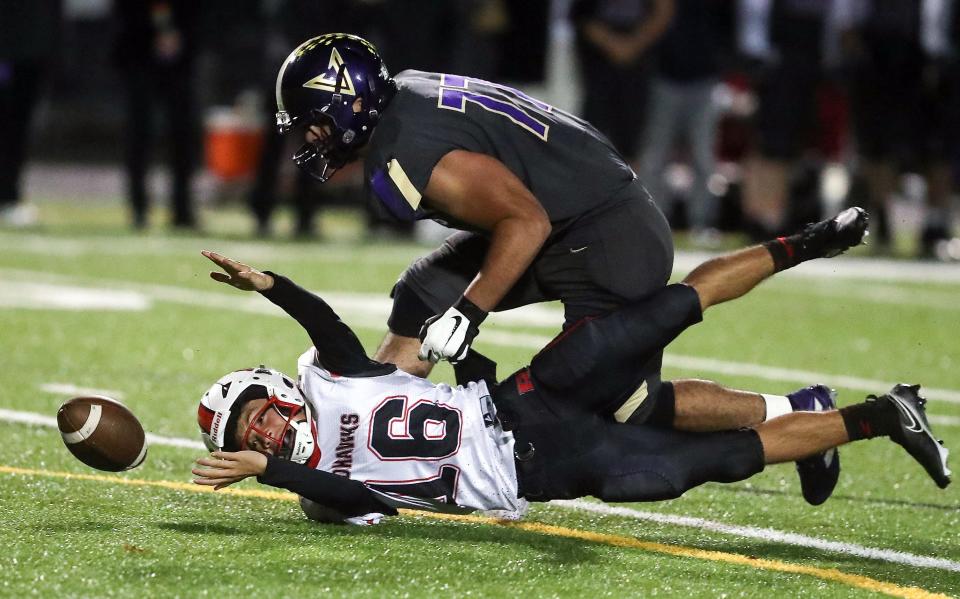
{"x": 409, "y": 311}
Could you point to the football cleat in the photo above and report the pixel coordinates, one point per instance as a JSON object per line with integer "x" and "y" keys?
{"x": 818, "y": 473}
{"x": 834, "y": 236}
{"x": 913, "y": 431}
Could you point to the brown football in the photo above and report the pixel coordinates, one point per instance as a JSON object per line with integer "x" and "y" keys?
{"x": 102, "y": 433}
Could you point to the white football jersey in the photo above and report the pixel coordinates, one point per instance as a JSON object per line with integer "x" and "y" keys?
{"x": 417, "y": 444}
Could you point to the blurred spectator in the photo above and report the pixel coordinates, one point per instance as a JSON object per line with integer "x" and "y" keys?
{"x": 523, "y": 51}
{"x": 27, "y": 42}
{"x": 613, "y": 37}
{"x": 293, "y": 22}
{"x": 478, "y": 48}
{"x": 416, "y": 34}
{"x": 681, "y": 108}
{"x": 155, "y": 51}
{"x": 234, "y": 34}
{"x": 906, "y": 94}
{"x": 784, "y": 39}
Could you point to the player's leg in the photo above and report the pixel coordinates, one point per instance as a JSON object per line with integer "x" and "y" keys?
{"x": 734, "y": 274}
{"x": 899, "y": 414}
{"x": 613, "y": 348}
{"x": 706, "y": 406}
{"x": 636, "y": 463}
{"x": 618, "y": 462}
{"x": 609, "y": 350}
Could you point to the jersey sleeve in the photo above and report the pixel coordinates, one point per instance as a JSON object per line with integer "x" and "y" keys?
{"x": 398, "y": 175}
{"x": 338, "y": 349}
{"x": 348, "y": 497}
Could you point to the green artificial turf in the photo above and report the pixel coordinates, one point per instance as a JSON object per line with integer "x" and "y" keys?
{"x": 71, "y": 537}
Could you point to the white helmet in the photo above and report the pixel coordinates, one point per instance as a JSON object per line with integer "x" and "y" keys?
{"x": 220, "y": 407}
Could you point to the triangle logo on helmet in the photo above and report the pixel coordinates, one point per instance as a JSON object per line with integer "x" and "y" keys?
{"x": 327, "y": 81}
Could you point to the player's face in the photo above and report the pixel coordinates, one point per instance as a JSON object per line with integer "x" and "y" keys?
{"x": 319, "y": 133}
{"x": 262, "y": 426}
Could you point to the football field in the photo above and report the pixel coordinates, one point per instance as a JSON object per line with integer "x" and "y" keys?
{"x": 88, "y": 307}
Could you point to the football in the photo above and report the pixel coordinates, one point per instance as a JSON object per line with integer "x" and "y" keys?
{"x": 102, "y": 433}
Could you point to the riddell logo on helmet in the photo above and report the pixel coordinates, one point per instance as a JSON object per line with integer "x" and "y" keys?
{"x": 216, "y": 425}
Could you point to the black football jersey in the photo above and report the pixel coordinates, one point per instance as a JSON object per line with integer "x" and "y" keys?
{"x": 569, "y": 166}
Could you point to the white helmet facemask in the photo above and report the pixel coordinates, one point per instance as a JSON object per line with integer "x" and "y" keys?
{"x": 295, "y": 441}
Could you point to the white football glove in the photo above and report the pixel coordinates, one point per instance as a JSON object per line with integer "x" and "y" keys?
{"x": 448, "y": 336}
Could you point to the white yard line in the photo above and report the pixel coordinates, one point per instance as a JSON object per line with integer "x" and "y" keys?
{"x": 844, "y": 267}
{"x": 748, "y": 532}
{"x": 73, "y": 390}
{"x": 369, "y": 311}
{"x": 251, "y": 251}
{"x": 51, "y": 421}
{"x": 769, "y": 535}
{"x": 943, "y": 420}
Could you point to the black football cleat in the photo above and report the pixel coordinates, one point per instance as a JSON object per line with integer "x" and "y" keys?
{"x": 834, "y": 236}
{"x": 913, "y": 432}
{"x": 818, "y": 473}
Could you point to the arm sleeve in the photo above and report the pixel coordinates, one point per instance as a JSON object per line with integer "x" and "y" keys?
{"x": 338, "y": 349}
{"x": 349, "y": 497}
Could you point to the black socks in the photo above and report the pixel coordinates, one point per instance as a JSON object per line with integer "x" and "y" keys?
{"x": 782, "y": 252}
{"x": 872, "y": 418}
{"x": 790, "y": 251}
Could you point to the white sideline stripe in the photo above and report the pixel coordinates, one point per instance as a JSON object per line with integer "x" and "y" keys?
{"x": 50, "y": 421}
{"x": 68, "y": 389}
{"x": 766, "y": 535}
{"x": 944, "y": 420}
{"x": 370, "y": 313}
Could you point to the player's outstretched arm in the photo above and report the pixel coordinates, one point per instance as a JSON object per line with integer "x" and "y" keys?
{"x": 237, "y": 274}
{"x": 338, "y": 348}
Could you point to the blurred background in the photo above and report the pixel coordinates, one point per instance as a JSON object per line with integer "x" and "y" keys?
{"x": 745, "y": 118}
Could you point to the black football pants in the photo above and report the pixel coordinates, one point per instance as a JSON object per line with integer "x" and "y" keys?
{"x": 627, "y": 462}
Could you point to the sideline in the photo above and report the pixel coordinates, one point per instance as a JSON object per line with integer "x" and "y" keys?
{"x": 828, "y": 574}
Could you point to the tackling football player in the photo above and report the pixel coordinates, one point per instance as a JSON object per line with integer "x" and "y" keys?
{"x": 547, "y": 208}
{"x": 357, "y": 438}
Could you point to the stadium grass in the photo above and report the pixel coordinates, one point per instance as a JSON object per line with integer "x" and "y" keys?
{"x": 92, "y": 538}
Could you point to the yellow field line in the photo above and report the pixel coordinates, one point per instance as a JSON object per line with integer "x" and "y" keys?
{"x": 829, "y": 574}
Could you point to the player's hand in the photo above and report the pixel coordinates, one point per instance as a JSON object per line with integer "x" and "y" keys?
{"x": 223, "y": 468}
{"x": 448, "y": 336}
{"x": 237, "y": 274}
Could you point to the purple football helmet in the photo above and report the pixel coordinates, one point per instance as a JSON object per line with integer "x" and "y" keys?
{"x": 318, "y": 86}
